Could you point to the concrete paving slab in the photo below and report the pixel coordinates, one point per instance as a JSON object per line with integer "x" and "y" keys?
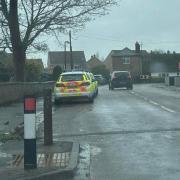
{"x": 53, "y": 161}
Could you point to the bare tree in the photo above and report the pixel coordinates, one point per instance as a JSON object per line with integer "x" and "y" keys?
{"x": 24, "y": 21}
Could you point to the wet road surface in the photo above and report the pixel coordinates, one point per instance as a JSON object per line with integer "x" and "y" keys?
{"x": 130, "y": 133}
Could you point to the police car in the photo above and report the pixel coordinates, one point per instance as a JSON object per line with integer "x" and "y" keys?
{"x": 73, "y": 85}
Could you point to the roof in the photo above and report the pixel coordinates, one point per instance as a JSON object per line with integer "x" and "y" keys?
{"x": 93, "y": 62}
{"x": 127, "y": 52}
{"x": 120, "y": 71}
{"x": 94, "y": 59}
{"x": 57, "y": 57}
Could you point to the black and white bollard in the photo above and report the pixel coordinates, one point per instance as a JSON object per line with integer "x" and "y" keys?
{"x": 30, "y": 157}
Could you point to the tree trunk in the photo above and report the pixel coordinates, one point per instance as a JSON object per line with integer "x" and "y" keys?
{"x": 19, "y": 64}
{"x": 19, "y": 54}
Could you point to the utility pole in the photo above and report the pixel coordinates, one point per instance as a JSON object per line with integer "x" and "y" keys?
{"x": 71, "y": 56}
{"x": 141, "y": 52}
{"x": 65, "y": 55}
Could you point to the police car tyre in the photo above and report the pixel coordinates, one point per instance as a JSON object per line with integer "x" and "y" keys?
{"x": 56, "y": 101}
{"x": 91, "y": 99}
{"x": 97, "y": 92}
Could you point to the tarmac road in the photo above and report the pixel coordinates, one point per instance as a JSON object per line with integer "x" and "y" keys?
{"x": 132, "y": 134}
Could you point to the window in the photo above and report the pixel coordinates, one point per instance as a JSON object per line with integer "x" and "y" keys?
{"x": 126, "y": 60}
{"x": 77, "y": 67}
{"x": 72, "y": 77}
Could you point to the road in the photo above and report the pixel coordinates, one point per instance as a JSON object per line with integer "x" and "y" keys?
{"x": 132, "y": 134}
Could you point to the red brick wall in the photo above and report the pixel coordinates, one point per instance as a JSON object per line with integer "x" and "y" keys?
{"x": 134, "y": 67}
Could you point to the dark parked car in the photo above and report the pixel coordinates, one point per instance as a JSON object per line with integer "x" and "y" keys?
{"x": 100, "y": 79}
{"x": 120, "y": 79}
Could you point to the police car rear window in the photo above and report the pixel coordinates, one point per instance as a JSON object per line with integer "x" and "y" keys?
{"x": 72, "y": 77}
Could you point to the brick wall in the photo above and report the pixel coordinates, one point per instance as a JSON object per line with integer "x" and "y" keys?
{"x": 134, "y": 67}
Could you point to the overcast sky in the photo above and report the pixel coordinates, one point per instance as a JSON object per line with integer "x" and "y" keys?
{"x": 154, "y": 23}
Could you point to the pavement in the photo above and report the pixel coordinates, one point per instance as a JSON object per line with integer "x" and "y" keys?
{"x": 163, "y": 85}
{"x": 53, "y": 162}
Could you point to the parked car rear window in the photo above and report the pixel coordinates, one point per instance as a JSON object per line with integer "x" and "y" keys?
{"x": 72, "y": 77}
{"x": 121, "y": 74}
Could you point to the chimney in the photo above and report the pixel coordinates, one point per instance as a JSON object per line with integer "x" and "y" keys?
{"x": 137, "y": 47}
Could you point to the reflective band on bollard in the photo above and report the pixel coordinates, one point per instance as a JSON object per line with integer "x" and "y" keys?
{"x": 30, "y": 157}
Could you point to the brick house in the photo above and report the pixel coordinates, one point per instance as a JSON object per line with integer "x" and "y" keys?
{"x": 140, "y": 62}
{"x": 126, "y": 60}
{"x": 57, "y": 58}
{"x": 93, "y": 62}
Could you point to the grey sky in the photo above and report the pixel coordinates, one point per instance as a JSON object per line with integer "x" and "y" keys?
{"x": 155, "y": 23}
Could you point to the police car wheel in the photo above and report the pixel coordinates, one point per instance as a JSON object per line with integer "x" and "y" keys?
{"x": 56, "y": 101}
{"x": 91, "y": 99}
{"x": 97, "y": 92}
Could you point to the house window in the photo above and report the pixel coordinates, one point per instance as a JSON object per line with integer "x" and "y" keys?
{"x": 77, "y": 67}
{"x": 126, "y": 60}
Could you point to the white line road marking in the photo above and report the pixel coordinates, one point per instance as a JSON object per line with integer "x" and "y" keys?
{"x": 167, "y": 109}
{"x": 153, "y": 102}
{"x": 146, "y": 99}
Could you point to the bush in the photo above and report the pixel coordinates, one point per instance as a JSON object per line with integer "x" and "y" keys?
{"x": 56, "y": 72}
{"x": 33, "y": 71}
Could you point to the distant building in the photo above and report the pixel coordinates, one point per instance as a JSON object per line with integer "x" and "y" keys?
{"x": 126, "y": 60}
{"x": 140, "y": 62}
{"x": 93, "y": 62}
{"x": 57, "y": 58}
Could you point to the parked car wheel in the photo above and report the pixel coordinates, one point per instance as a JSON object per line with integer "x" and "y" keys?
{"x": 130, "y": 87}
{"x": 111, "y": 87}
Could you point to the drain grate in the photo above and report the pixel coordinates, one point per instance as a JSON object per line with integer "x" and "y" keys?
{"x": 44, "y": 160}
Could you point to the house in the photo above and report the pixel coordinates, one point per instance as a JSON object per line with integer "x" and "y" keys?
{"x": 93, "y": 62}
{"x": 126, "y": 60}
{"x": 140, "y": 62}
{"x": 63, "y": 59}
